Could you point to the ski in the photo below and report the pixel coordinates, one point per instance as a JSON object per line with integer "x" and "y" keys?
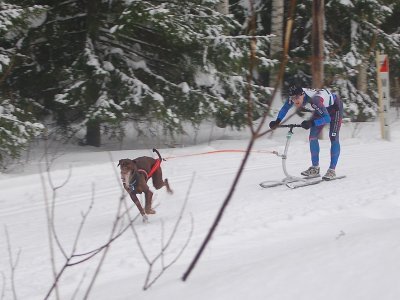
{"x": 295, "y": 185}
{"x": 288, "y": 181}
{"x": 311, "y": 177}
{"x": 337, "y": 177}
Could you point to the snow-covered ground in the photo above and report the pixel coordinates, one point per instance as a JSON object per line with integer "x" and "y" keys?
{"x": 335, "y": 240}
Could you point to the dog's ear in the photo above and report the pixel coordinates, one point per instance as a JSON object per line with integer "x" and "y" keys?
{"x": 134, "y": 161}
{"x": 119, "y": 162}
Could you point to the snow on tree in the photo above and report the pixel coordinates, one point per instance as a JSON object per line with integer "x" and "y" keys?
{"x": 170, "y": 62}
{"x": 17, "y": 123}
{"x": 352, "y": 35}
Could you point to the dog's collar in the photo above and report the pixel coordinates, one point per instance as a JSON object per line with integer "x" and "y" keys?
{"x": 133, "y": 184}
{"x": 134, "y": 181}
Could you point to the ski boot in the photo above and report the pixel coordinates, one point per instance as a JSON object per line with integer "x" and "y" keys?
{"x": 312, "y": 171}
{"x": 330, "y": 174}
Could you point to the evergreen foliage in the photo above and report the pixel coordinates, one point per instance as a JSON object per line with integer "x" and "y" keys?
{"x": 96, "y": 64}
{"x": 166, "y": 62}
{"x": 18, "y": 124}
{"x": 352, "y": 35}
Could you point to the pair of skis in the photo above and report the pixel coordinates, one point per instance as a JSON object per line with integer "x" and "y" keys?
{"x": 297, "y": 182}
{"x": 293, "y": 182}
{"x": 310, "y": 181}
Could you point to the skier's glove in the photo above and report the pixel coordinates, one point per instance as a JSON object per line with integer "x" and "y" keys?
{"x": 307, "y": 124}
{"x": 275, "y": 123}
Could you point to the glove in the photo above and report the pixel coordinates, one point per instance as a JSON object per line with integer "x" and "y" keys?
{"x": 275, "y": 123}
{"x": 307, "y": 124}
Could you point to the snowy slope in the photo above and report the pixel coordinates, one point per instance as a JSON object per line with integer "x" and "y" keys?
{"x": 334, "y": 240}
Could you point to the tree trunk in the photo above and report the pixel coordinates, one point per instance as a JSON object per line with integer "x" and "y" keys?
{"x": 317, "y": 59}
{"x": 93, "y": 137}
{"x": 362, "y": 77}
{"x": 277, "y": 30}
{"x": 277, "y": 18}
{"x": 223, "y": 7}
{"x": 93, "y": 134}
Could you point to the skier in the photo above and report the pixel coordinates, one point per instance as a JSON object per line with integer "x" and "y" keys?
{"x": 327, "y": 108}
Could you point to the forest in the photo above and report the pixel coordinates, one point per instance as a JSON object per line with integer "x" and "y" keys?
{"x": 97, "y": 65}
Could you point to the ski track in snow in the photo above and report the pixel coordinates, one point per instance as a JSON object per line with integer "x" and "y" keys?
{"x": 271, "y": 243}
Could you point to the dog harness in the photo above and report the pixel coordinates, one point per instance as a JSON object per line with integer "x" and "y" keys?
{"x": 152, "y": 170}
{"x": 134, "y": 182}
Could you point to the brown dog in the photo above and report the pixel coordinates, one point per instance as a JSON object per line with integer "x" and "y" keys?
{"x": 135, "y": 174}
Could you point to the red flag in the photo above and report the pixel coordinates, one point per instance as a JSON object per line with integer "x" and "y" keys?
{"x": 384, "y": 66}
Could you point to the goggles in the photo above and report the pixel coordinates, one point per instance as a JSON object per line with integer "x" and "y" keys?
{"x": 294, "y": 97}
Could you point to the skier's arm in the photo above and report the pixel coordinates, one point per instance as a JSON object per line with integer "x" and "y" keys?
{"x": 317, "y": 103}
{"x": 285, "y": 108}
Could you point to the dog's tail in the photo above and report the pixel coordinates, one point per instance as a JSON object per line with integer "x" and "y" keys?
{"x": 156, "y": 164}
{"x": 158, "y": 153}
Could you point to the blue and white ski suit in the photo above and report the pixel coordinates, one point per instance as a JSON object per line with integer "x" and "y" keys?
{"x": 327, "y": 107}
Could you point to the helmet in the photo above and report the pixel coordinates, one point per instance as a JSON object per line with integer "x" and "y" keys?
{"x": 295, "y": 90}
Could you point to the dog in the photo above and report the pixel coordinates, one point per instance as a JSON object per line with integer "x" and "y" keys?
{"x": 134, "y": 175}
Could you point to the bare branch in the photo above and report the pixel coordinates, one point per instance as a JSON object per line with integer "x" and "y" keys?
{"x": 68, "y": 257}
{"x": 112, "y": 236}
{"x": 164, "y": 247}
{"x": 150, "y": 283}
{"x": 13, "y": 264}
{"x": 105, "y": 252}
{"x": 78, "y": 287}
{"x": 3, "y": 288}
{"x": 255, "y": 132}
{"x": 86, "y": 256}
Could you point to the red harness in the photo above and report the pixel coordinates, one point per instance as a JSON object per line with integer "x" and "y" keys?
{"x": 153, "y": 169}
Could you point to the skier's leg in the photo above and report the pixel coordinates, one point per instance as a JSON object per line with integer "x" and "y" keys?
{"x": 336, "y": 122}
{"x": 335, "y": 153}
{"x": 314, "y": 144}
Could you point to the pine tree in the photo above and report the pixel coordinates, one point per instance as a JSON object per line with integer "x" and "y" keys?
{"x": 352, "y": 35}
{"x": 151, "y": 61}
{"x": 17, "y": 122}
{"x": 362, "y": 21}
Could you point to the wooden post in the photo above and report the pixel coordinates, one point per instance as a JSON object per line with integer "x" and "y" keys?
{"x": 382, "y": 71}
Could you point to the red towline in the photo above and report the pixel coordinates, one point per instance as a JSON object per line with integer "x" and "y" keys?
{"x": 220, "y": 151}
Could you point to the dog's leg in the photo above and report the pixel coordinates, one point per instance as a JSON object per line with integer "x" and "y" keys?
{"x": 149, "y": 199}
{"x": 139, "y": 206}
{"x": 166, "y": 183}
{"x": 158, "y": 182}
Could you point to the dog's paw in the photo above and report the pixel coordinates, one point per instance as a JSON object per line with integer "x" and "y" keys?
{"x": 145, "y": 219}
{"x": 150, "y": 211}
